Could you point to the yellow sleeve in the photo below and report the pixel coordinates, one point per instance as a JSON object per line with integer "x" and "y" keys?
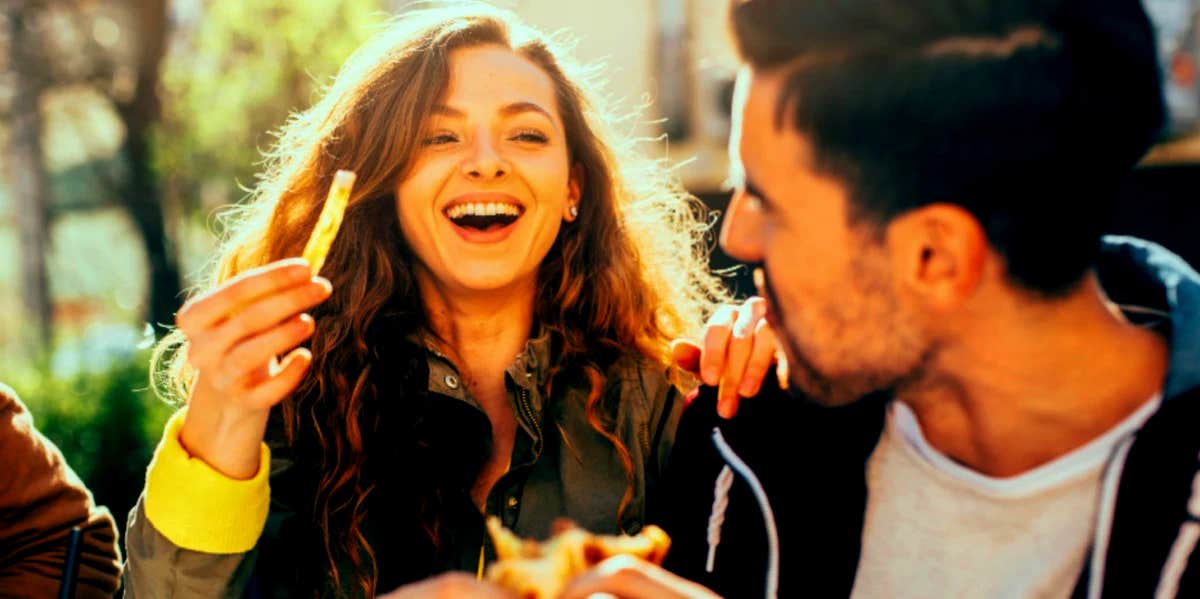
{"x": 197, "y": 508}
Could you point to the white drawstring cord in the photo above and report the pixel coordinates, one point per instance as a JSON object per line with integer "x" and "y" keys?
{"x": 764, "y": 505}
{"x": 716, "y": 517}
{"x": 1181, "y": 550}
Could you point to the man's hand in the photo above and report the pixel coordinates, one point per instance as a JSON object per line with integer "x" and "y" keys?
{"x": 452, "y": 585}
{"x": 738, "y": 351}
{"x": 626, "y": 577}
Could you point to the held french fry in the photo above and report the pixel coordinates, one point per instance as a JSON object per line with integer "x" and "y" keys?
{"x": 330, "y": 220}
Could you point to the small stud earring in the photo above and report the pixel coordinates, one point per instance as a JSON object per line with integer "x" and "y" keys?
{"x": 573, "y": 211}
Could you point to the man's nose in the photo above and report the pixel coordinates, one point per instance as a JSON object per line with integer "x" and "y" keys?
{"x": 741, "y": 235}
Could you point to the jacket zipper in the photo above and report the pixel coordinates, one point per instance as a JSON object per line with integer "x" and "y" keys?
{"x": 527, "y": 411}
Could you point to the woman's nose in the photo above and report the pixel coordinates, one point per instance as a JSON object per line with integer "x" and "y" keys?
{"x": 484, "y": 161}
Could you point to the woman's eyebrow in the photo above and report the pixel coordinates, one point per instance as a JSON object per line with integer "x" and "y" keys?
{"x": 522, "y": 107}
{"x": 444, "y": 110}
{"x": 508, "y": 110}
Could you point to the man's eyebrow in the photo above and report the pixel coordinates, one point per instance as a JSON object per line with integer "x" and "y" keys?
{"x": 752, "y": 189}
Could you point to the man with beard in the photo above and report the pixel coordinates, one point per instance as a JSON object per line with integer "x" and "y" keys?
{"x": 997, "y": 400}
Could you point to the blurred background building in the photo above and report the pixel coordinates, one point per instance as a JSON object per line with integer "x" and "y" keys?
{"x": 126, "y": 124}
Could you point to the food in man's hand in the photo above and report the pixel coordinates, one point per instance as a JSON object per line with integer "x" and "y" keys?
{"x": 536, "y": 570}
{"x": 330, "y": 220}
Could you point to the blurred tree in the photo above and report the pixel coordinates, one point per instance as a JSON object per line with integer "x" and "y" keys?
{"x": 76, "y": 50}
{"x": 196, "y": 87}
{"x": 26, "y": 170}
{"x": 140, "y": 190}
{"x": 233, "y": 77}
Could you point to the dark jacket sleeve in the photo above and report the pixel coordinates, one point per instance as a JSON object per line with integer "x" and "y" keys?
{"x": 41, "y": 500}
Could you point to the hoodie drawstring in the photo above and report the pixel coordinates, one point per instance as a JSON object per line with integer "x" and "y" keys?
{"x": 1181, "y": 550}
{"x": 716, "y": 517}
{"x": 764, "y": 505}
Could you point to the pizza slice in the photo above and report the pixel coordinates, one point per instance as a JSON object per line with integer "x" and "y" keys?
{"x": 536, "y": 570}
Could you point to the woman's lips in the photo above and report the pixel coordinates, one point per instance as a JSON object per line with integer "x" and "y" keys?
{"x": 486, "y": 217}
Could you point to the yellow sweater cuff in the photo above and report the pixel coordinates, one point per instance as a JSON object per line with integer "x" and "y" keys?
{"x": 197, "y": 508}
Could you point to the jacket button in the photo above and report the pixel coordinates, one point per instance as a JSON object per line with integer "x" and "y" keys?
{"x": 451, "y": 381}
{"x": 512, "y": 501}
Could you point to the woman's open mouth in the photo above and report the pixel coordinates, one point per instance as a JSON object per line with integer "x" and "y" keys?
{"x": 484, "y": 222}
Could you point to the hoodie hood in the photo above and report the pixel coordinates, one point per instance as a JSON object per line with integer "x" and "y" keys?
{"x": 1135, "y": 272}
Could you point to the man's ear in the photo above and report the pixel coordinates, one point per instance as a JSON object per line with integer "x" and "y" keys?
{"x": 940, "y": 252}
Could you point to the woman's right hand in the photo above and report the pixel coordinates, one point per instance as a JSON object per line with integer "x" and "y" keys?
{"x": 235, "y": 334}
{"x": 736, "y": 355}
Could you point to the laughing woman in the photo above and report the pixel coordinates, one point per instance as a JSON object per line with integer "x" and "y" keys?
{"x": 491, "y": 335}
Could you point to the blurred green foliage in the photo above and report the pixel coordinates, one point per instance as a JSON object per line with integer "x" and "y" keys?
{"x": 234, "y": 71}
{"x": 234, "y": 77}
{"x": 106, "y": 424}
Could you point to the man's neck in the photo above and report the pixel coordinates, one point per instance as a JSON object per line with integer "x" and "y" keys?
{"x": 1033, "y": 380}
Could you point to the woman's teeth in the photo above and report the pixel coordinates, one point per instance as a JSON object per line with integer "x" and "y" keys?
{"x": 484, "y": 216}
{"x": 483, "y": 209}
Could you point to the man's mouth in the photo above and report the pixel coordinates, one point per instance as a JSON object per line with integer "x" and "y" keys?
{"x": 764, "y": 291}
{"x": 484, "y": 216}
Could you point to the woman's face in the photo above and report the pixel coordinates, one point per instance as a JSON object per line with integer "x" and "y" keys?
{"x": 491, "y": 180}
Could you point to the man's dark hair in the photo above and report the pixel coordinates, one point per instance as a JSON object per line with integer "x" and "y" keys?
{"x": 1028, "y": 114}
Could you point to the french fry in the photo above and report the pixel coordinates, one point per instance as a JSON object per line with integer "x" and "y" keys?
{"x": 330, "y": 220}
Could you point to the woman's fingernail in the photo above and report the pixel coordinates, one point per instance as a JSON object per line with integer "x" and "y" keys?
{"x": 723, "y": 410}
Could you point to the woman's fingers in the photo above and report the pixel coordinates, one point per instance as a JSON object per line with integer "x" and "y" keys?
{"x": 761, "y": 358}
{"x": 267, "y": 313}
{"x": 717, "y": 332}
{"x": 208, "y": 348}
{"x": 627, "y": 577}
{"x": 738, "y": 351}
{"x": 253, "y": 356}
{"x": 782, "y": 369}
{"x": 280, "y": 384}
{"x": 205, "y": 311}
{"x": 686, "y": 355}
{"x": 738, "y": 355}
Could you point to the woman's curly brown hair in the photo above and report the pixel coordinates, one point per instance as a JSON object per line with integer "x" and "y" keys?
{"x": 629, "y": 272}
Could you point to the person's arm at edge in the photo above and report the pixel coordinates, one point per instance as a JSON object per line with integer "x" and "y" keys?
{"x": 41, "y": 500}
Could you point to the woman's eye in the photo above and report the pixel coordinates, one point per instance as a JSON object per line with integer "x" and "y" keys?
{"x": 439, "y": 139}
{"x": 530, "y": 135}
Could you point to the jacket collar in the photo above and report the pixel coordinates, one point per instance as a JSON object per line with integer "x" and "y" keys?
{"x": 528, "y": 370}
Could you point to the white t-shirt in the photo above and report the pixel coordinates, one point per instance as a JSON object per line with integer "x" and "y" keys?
{"x": 935, "y": 528}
